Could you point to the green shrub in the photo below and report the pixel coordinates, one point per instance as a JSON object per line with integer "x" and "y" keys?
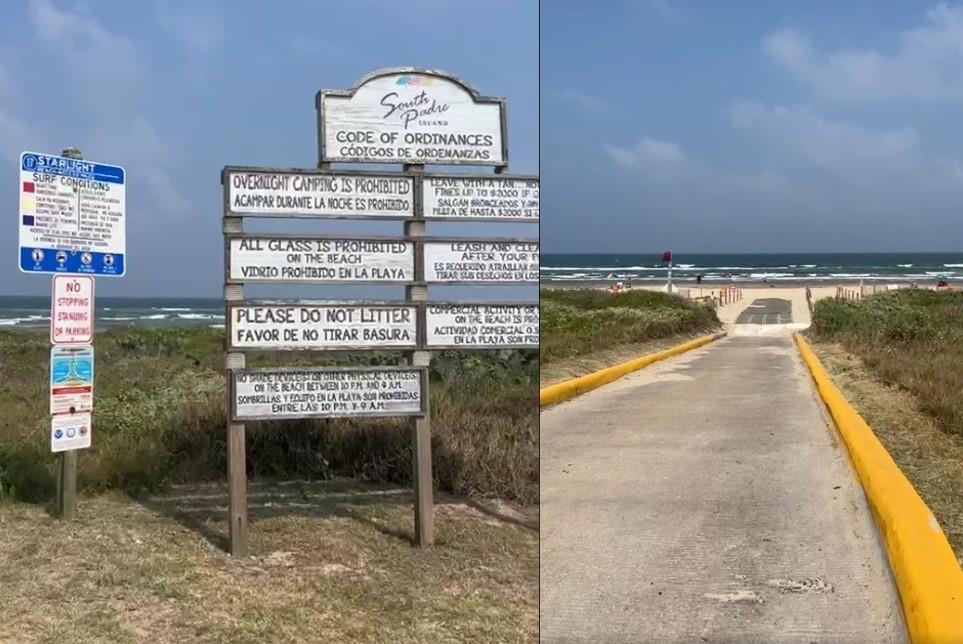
{"x": 910, "y": 338}
{"x": 159, "y": 418}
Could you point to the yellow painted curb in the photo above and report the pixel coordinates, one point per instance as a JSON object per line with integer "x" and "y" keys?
{"x": 571, "y": 388}
{"x": 927, "y": 574}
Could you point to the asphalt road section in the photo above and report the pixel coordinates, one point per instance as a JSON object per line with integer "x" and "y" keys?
{"x": 706, "y": 499}
{"x": 766, "y": 311}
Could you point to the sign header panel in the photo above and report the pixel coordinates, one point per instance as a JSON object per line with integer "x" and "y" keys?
{"x": 481, "y": 261}
{"x": 482, "y": 326}
{"x": 256, "y": 258}
{"x": 72, "y": 310}
{"x": 70, "y": 432}
{"x": 322, "y": 327}
{"x": 71, "y": 379}
{"x": 304, "y": 193}
{"x": 493, "y": 198}
{"x": 411, "y": 116}
{"x": 264, "y": 394}
{"x": 72, "y": 216}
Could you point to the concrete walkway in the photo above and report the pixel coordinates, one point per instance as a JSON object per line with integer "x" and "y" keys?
{"x": 705, "y": 499}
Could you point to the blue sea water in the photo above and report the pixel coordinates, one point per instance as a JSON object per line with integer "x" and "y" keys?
{"x": 801, "y": 268}
{"x": 34, "y": 311}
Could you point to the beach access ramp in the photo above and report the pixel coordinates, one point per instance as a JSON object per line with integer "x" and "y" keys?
{"x": 706, "y": 498}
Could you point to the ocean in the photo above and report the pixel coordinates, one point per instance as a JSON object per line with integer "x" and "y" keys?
{"x": 795, "y": 268}
{"x": 34, "y": 312}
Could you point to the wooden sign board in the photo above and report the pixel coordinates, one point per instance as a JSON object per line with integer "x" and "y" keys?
{"x": 321, "y": 326}
{"x": 408, "y": 115}
{"x": 322, "y": 392}
{"x": 481, "y": 326}
{"x": 481, "y": 261}
{"x": 264, "y": 192}
{"x": 306, "y": 259}
{"x": 496, "y": 198}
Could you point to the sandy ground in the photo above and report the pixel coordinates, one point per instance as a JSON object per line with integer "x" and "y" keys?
{"x": 729, "y": 312}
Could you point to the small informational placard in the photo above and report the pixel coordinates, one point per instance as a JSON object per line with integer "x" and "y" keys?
{"x": 411, "y": 116}
{"x": 72, "y": 310}
{"x": 71, "y": 379}
{"x": 303, "y": 193}
{"x": 71, "y": 216}
{"x": 285, "y": 259}
{"x": 70, "y": 432}
{"x": 321, "y": 327}
{"x": 481, "y": 261}
{"x": 494, "y": 198}
{"x": 482, "y": 326}
{"x": 328, "y": 392}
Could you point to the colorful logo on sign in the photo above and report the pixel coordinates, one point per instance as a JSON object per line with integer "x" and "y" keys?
{"x": 415, "y": 80}
{"x": 420, "y": 109}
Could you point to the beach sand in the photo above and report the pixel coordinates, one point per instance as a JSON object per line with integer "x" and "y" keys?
{"x": 728, "y": 313}
{"x": 795, "y": 294}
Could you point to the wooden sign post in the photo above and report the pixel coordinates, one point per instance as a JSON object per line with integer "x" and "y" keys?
{"x": 401, "y": 116}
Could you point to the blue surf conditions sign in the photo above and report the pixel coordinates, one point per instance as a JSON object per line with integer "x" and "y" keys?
{"x": 71, "y": 216}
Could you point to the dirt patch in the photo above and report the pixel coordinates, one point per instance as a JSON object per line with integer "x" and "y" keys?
{"x": 931, "y": 458}
{"x": 330, "y": 562}
{"x": 567, "y": 368}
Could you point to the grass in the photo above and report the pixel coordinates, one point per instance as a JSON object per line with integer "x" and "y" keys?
{"x": 912, "y": 339}
{"x": 327, "y": 565}
{"x": 897, "y": 356}
{"x": 159, "y": 419}
{"x": 580, "y": 322}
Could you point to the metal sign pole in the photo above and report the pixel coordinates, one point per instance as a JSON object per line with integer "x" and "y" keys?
{"x": 66, "y": 507}
{"x": 420, "y": 426}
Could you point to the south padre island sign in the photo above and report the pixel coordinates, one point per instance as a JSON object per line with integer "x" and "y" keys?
{"x": 413, "y": 116}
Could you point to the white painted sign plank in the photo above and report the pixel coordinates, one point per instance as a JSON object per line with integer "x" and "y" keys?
{"x": 322, "y": 327}
{"x": 482, "y": 326}
{"x": 70, "y": 432}
{"x": 72, "y": 309}
{"x": 318, "y": 393}
{"x": 411, "y": 117}
{"x": 271, "y": 259}
{"x": 495, "y": 198}
{"x": 315, "y": 194}
{"x": 481, "y": 261}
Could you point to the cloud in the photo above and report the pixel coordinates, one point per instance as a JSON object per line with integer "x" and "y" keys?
{"x": 109, "y": 75}
{"x": 847, "y": 151}
{"x": 666, "y": 9}
{"x": 198, "y": 29}
{"x": 926, "y": 62}
{"x": 585, "y": 102}
{"x": 104, "y": 69}
{"x": 647, "y": 154}
{"x": 666, "y": 163}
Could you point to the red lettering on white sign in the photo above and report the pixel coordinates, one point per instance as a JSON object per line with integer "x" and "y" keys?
{"x": 72, "y": 310}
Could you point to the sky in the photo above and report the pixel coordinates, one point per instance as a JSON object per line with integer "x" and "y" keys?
{"x": 174, "y": 91}
{"x": 751, "y": 126}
